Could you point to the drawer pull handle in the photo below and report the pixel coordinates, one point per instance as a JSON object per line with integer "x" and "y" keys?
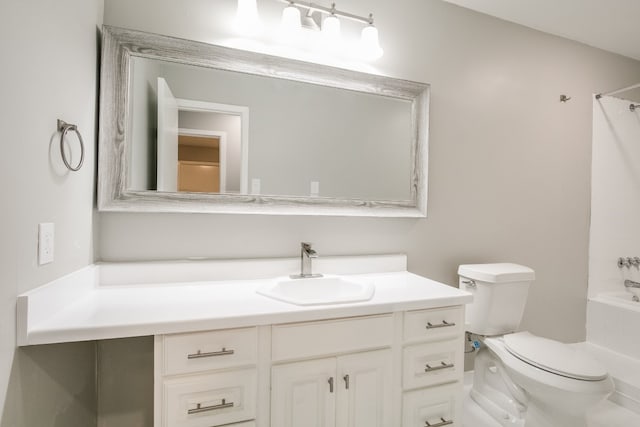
{"x": 330, "y": 384}
{"x": 346, "y": 381}
{"x": 442, "y": 365}
{"x": 199, "y": 354}
{"x": 441, "y": 423}
{"x": 199, "y": 408}
{"x": 444, "y": 324}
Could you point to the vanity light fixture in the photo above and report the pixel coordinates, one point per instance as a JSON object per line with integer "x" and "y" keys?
{"x": 322, "y": 25}
{"x": 369, "y": 42}
{"x": 247, "y": 20}
{"x": 369, "y": 45}
{"x": 331, "y": 27}
{"x": 291, "y": 19}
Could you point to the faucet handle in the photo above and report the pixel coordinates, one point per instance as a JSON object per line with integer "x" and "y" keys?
{"x": 306, "y": 250}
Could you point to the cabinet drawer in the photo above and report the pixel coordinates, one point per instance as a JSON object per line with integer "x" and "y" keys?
{"x": 438, "y": 406}
{"x": 432, "y": 363}
{"x": 185, "y": 353}
{"x": 300, "y": 340}
{"x": 210, "y": 399}
{"x": 423, "y": 325}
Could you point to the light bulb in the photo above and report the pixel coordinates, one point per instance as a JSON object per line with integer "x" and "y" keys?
{"x": 290, "y": 24}
{"x": 247, "y": 20}
{"x": 369, "y": 43}
{"x": 331, "y": 29}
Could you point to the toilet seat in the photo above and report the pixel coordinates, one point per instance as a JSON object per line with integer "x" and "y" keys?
{"x": 554, "y": 357}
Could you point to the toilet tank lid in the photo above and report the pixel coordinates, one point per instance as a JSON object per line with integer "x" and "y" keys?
{"x": 497, "y": 273}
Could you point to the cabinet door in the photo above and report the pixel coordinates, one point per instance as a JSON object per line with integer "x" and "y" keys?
{"x": 364, "y": 390}
{"x": 303, "y": 394}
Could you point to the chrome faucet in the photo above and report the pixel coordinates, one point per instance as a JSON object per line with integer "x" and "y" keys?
{"x": 632, "y": 287}
{"x": 631, "y": 284}
{"x": 306, "y": 255}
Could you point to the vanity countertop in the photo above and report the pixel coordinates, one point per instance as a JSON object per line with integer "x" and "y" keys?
{"x": 130, "y": 299}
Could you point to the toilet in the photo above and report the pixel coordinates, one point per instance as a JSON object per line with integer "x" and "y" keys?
{"x": 521, "y": 379}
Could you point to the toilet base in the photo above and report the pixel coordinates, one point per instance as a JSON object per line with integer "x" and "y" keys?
{"x": 494, "y": 391}
{"x": 499, "y": 385}
{"x": 496, "y": 412}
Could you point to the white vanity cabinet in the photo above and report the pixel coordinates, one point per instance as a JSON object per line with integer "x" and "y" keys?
{"x": 206, "y": 379}
{"x": 388, "y": 370}
{"x": 433, "y": 367}
{"x": 346, "y": 391}
{"x": 352, "y": 388}
{"x": 227, "y": 355}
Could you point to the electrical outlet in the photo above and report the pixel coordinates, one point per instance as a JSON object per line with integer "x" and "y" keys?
{"x": 45, "y": 242}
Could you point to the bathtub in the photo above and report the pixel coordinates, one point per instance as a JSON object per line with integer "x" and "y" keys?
{"x": 613, "y": 326}
{"x": 613, "y": 322}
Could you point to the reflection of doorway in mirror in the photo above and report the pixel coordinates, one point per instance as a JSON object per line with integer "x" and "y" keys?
{"x": 200, "y": 123}
{"x": 228, "y": 122}
{"x": 201, "y": 165}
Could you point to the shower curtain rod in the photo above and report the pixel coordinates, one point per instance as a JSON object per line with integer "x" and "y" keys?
{"x": 613, "y": 92}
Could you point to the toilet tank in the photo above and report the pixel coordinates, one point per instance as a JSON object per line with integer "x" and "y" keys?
{"x": 499, "y": 296}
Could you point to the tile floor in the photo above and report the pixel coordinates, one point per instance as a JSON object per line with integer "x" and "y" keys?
{"x": 607, "y": 414}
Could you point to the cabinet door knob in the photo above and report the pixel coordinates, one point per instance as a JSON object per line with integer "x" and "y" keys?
{"x": 330, "y": 384}
{"x": 346, "y": 381}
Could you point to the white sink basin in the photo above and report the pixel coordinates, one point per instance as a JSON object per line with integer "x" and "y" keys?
{"x": 318, "y": 290}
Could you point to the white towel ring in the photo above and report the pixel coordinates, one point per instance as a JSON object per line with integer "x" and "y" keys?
{"x": 63, "y": 128}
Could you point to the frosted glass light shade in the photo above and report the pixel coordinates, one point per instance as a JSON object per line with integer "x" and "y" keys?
{"x": 369, "y": 43}
{"x": 247, "y": 19}
{"x": 331, "y": 29}
{"x": 291, "y": 19}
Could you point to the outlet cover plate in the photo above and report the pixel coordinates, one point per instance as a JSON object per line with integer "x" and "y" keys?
{"x": 46, "y": 234}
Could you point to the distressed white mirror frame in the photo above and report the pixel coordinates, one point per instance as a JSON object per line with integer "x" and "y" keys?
{"x": 118, "y": 48}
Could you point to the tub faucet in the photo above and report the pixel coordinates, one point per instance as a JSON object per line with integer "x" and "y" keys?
{"x": 306, "y": 255}
{"x": 631, "y": 284}
{"x": 634, "y": 288}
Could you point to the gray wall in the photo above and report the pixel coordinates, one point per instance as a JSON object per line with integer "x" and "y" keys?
{"x": 144, "y": 109}
{"x": 509, "y": 165}
{"x": 292, "y": 122}
{"x": 125, "y": 386}
{"x": 49, "y": 63}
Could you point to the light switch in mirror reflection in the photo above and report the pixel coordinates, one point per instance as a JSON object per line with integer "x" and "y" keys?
{"x": 201, "y": 129}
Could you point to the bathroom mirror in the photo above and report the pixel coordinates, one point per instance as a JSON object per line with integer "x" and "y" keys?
{"x": 191, "y": 127}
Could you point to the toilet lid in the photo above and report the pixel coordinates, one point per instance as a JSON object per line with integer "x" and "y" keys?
{"x": 554, "y": 356}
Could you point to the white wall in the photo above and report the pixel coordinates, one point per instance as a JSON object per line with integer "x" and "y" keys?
{"x": 615, "y": 194}
{"x": 509, "y": 164}
{"x": 49, "y": 59}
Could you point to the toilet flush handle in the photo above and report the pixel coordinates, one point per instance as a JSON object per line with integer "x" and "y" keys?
{"x": 470, "y": 283}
